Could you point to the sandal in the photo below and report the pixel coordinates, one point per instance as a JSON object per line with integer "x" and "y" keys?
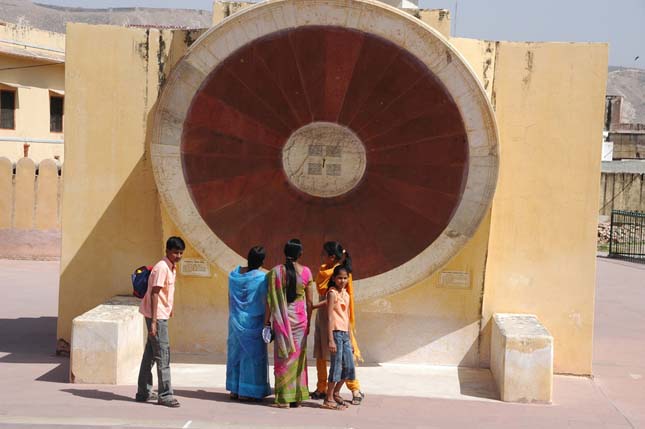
{"x": 328, "y": 405}
{"x": 234, "y": 396}
{"x": 295, "y": 404}
{"x": 172, "y": 402}
{"x": 339, "y": 400}
{"x": 357, "y": 399}
{"x": 317, "y": 395}
{"x": 281, "y": 405}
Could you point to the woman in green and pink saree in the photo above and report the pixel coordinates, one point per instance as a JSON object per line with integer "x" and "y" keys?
{"x": 289, "y": 306}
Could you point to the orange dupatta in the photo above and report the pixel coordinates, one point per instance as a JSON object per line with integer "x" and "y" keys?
{"x": 322, "y": 284}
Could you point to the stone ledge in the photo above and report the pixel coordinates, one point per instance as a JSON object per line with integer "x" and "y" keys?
{"x": 522, "y": 358}
{"x": 107, "y": 343}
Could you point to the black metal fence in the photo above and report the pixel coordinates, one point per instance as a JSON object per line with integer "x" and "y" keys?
{"x": 627, "y": 236}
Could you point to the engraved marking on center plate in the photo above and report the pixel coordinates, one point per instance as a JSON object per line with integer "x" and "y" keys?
{"x": 324, "y": 159}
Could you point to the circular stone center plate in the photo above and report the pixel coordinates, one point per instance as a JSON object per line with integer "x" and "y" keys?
{"x": 324, "y": 159}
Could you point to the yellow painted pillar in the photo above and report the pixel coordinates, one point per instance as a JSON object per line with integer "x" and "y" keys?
{"x": 47, "y": 195}
{"x": 220, "y": 12}
{"x": 542, "y": 246}
{"x": 110, "y": 210}
{"x": 23, "y": 217}
{"x": 6, "y": 192}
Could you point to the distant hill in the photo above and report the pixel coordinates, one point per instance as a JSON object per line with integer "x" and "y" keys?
{"x": 54, "y": 18}
{"x": 630, "y": 83}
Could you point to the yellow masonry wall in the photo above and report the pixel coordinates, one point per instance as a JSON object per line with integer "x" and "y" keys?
{"x": 111, "y": 221}
{"x": 439, "y": 19}
{"x": 224, "y": 9}
{"x": 28, "y": 35}
{"x": 549, "y": 100}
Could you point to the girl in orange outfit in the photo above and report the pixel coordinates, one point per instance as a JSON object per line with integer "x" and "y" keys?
{"x": 333, "y": 255}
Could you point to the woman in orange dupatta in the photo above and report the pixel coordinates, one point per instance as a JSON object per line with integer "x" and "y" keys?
{"x": 333, "y": 254}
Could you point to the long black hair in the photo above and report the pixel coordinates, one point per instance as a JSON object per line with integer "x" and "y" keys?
{"x": 255, "y": 258}
{"x": 292, "y": 251}
{"x": 333, "y": 248}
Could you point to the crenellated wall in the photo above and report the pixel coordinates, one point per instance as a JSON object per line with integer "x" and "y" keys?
{"x": 30, "y": 196}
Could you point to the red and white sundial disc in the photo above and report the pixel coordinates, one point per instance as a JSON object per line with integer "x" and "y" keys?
{"x": 371, "y": 131}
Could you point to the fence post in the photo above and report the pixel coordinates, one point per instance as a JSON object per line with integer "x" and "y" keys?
{"x": 611, "y": 233}
{"x": 642, "y": 236}
{"x": 47, "y": 195}
{"x": 23, "y": 217}
{"x": 632, "y": 237}
{"x": 6, "y": 192}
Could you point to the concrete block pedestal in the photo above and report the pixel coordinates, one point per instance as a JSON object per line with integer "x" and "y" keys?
{"x": 522, "y": 358}
{"x": 107, "y": 343}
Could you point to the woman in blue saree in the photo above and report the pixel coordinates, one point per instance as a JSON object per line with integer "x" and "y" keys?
{"x": 247, "y": 365}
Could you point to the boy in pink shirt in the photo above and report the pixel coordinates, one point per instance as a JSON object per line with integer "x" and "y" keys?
{"x": 156, "y": 307}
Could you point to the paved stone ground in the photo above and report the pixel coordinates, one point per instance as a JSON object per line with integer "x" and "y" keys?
{"x": 30, "y": 244}
{"x": 35, "y": 394}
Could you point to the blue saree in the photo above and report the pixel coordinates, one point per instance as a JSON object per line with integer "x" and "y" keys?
{"x": 247, "y": 365}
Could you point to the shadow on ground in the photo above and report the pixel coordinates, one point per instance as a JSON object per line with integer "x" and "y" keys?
{"x": 28, "y": 340}
{"x": 98, "y": 394}
{"x": 203, "y": 394}
{"x": 224, "y": 397}
{"x": 32, "y": 340}
{"x": 60, "y": 374}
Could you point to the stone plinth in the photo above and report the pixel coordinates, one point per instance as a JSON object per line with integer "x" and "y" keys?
{"x": 107, "y": 343}
{"x": 522, "y": 358}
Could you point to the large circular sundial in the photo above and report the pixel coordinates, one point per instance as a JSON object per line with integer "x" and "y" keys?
{"x": 326, "y": 121}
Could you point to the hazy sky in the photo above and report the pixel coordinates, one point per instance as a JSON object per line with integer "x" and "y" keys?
{"x": 619, "y": 22}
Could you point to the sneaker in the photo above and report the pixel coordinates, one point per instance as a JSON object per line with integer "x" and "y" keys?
{"x": 150, "y": 397}
{"x": 168, "y": 402}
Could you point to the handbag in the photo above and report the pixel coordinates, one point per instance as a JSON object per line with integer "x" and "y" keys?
{"x": 267, "y": 334}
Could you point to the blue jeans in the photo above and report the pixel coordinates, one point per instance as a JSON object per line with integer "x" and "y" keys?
{"x": 342, "y": 362}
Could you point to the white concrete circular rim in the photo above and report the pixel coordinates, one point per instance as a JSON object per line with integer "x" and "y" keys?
{"x": 368, "y": 16}
{"x": 324, "y": 159}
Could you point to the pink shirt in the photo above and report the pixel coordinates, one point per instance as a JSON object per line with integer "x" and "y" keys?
{"x": 163, "y": 276}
